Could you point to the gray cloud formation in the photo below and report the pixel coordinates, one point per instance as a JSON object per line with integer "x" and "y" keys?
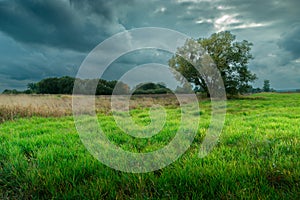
{"x": 77, "y": 25}
{"x": 290, "y": 40}
{"x": 42, "y": 38}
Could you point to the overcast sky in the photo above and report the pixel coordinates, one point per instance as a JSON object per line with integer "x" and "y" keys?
{"x": 46, "y": 38}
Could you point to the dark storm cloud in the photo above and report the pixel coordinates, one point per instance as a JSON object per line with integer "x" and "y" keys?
{"x": 136, "y": 58}
{"x": 58, "y": 23}
{"x": 290, "y": 40}
{"x": 21, "y": 64}
{"x": 101, "y": 7}
{"x": 42, "y": 38}
{"x": 8, "y": 83}
{"x": 168, "y": 14}
{"x": 107, "y": 9}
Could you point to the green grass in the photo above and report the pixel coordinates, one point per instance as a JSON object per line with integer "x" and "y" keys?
{"x": 257, "y": 157}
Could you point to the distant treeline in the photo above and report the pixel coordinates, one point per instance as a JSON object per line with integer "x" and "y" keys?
{"x": 64, "y": 85}
{"x": 151, "y": 88}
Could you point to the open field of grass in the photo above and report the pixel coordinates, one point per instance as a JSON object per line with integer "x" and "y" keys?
{"x": 19, "y": 106}
{"x": 257, "y": 155}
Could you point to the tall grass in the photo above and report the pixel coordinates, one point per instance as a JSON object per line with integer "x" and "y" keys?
{"x": 19, "y": 106}
{"x": 257, "y": 157}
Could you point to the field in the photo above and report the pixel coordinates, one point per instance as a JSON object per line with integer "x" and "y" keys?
{"x": 257, "y": 155}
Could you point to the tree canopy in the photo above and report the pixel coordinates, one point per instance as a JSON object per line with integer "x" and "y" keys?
{"x": 231, "y": 58}
{"x": 65, "y": 84}
{"x": 151, "y": 88}
{"x": 267, "y": 86}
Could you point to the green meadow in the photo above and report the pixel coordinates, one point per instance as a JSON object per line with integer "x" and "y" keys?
{"x": 257, "y": 156}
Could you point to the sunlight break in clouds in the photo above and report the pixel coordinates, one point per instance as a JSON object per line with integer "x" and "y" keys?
{"x": 227, "y": 22}
{"x": 160, "y": 10}
{"x": 297, "y": 60}
{"x": 224, "y": 7}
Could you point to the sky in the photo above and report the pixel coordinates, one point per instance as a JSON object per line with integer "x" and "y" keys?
{"x": 50, "y": 38}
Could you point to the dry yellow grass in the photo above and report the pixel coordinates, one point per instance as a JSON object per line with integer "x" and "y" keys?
{"x": 17, "y": 106}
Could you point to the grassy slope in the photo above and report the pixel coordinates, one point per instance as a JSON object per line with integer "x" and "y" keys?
{"x": 257, "y": 157}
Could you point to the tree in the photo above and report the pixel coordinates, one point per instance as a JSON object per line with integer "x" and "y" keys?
{"x": 121, "y": 88}
{"x": 65, "y": 85}
{"x": 32, "y": 87}
{"x": 256, "y": 90}
{"x": 14, "y": 91}
{"x": 229, "y": 56}
{"x": 105, "y": 87}
{"x": 266, "y": 87}
{"x": 48, "y": 86}
{"x": 151, "y": 88}
{"x": 185, "y": 89}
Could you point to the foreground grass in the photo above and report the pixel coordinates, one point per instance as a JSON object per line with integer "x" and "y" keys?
{"x": 257, "y": 157}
